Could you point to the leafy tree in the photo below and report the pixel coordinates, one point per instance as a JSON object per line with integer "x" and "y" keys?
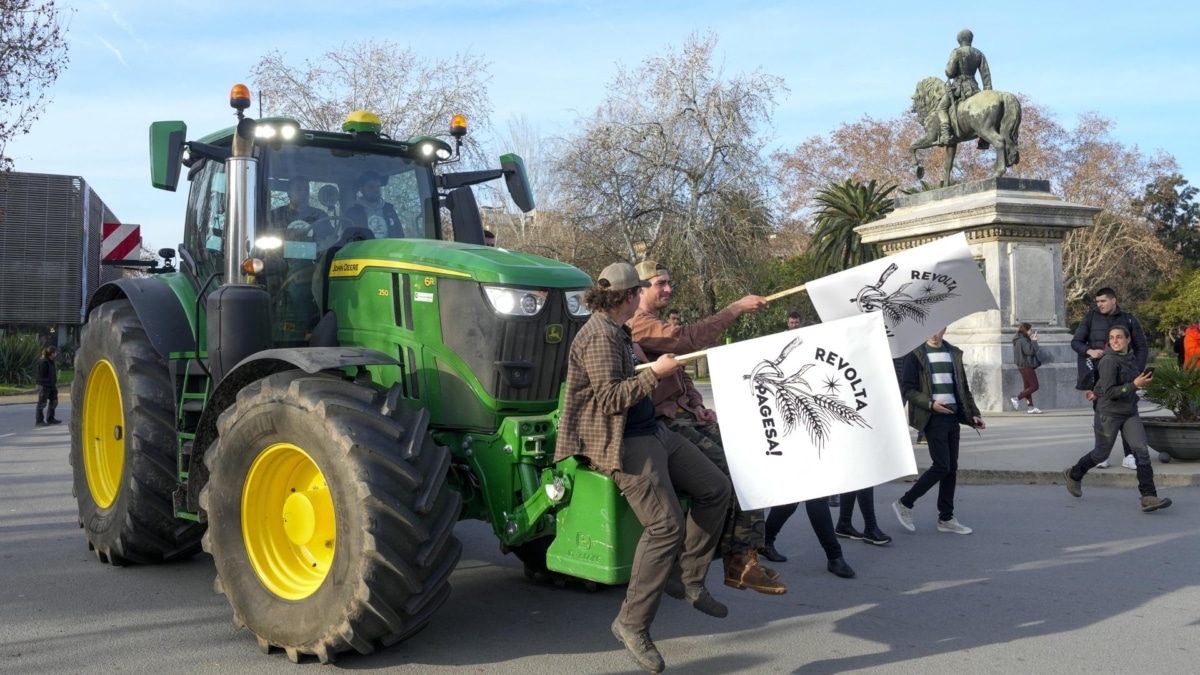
{"x": 844, "y": 206}
{"x": 412, "y": 96}
{"x": 33, "y": 52}
{"x": 1174, "y": 303}
{"x": 1169, "y": 203}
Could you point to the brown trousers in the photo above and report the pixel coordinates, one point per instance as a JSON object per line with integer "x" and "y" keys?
{"x": 744, "y": 530}
{"x": 652, "y": 469}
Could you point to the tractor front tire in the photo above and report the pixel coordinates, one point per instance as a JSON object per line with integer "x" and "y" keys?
{"x": 330, "y": 520}
{"x": 123, "y": 443}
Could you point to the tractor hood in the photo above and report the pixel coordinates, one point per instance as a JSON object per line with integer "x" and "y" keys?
{"x": 463, "y": 261}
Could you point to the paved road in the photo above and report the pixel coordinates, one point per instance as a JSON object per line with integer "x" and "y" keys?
{"x": 1047, "y": 583}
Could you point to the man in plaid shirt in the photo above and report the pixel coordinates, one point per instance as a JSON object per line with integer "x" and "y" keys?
{"x": 608, "y": 418}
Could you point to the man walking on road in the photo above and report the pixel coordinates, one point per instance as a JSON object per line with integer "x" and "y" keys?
{"x": 608, "y": 418}
{"x": 1091, "y": 335}
{"x": 939, "y": 399}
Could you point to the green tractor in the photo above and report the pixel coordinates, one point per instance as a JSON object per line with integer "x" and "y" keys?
{"x": 316, "y": 396}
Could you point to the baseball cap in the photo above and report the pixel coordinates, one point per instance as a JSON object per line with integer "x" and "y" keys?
{"x": 620, "y": 276}
{"x": 648, "y": 269}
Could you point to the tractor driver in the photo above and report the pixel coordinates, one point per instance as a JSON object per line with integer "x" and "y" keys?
{"x": 372, "y": 212}
{"x": 298, "y": 216}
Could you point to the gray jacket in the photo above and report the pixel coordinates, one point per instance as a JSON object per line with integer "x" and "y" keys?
{"x": 1025, "y": 352}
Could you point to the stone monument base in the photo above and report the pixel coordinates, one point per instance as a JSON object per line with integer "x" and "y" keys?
{"x": 1015, "y": 228}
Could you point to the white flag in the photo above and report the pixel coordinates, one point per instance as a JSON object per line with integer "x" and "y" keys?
{"x": 918, "y": 292}
{"x": 811, "y": 412}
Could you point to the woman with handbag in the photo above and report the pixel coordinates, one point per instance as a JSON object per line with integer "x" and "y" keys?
{"x": 1025, "y": 356}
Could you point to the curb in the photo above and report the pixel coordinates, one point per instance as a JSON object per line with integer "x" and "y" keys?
{"x": 1099, "y": 478}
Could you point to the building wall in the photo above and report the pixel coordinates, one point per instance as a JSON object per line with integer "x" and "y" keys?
{"x": 50, "y": 233}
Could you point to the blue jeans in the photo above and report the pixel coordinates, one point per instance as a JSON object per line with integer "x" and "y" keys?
{"x": 942, "y": 434}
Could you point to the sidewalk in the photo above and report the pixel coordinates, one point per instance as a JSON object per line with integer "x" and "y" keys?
{"x": 1023, "y": 449}
{"x": 1016, "y": 448}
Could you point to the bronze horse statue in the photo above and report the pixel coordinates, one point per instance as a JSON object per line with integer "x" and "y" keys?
{"x": 993, "y": 117}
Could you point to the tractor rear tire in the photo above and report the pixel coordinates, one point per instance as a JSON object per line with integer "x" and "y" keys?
{"x": 330, "y": 520}
{"x": 123, "y": 444}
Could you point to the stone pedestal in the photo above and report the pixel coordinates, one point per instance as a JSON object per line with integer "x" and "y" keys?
{"x": 1015, "y": 229}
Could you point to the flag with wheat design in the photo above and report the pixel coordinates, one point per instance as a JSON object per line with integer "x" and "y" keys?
{"x": 810, "y": 412}
{"x": 917, "y": 292}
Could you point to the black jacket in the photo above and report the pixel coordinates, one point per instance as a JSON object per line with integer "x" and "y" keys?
{"x": 1115, "y": 393}
{"x": 47, "y": 376}
{"x": 358, "y": 215}
{"x": 1092, "y": 333}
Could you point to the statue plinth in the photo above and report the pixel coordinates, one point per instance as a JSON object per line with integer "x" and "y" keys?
{"x": 1015, "y": 228}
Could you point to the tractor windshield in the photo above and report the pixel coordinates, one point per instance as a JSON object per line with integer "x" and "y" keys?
{"x": 316, "y": 194}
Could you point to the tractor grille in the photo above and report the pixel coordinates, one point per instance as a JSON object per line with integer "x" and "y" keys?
{"x": 510, "y": 356}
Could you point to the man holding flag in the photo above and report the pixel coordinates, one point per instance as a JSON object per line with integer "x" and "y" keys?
{"x": 679, "y": 406}
{"x": 608, "y": 418}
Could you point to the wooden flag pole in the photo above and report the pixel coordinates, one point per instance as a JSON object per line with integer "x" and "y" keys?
{"x": 682, "y": 357}
{"x": 781, "y": 294}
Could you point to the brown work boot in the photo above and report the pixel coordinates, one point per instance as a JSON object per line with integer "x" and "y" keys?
{"x": 753, "y": 553}
{"x": 742, "y": 571}
{"x": 1154, "y": 503}
{"x": 640, "y": 647}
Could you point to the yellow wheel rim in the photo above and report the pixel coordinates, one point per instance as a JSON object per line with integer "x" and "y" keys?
{"x": 103, "y": 434}
{"x": 288, "y": 522}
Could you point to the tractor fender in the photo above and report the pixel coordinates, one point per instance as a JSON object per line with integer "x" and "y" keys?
{"x": 256, "y": 367}
{"x": 158, "y": 308}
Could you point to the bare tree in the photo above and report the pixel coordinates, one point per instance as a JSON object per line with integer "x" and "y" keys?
{"x": 670, "y": 161}
{"x": 412, "y": 96}
{"x": 33, "y": 52}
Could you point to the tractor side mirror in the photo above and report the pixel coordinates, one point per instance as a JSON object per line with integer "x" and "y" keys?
{"x": 517, "y": 181}
{"x": 166, "y": 153}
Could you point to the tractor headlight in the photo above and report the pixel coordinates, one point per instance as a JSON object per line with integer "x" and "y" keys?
{"x": 575, "y": 304}
{"x": 515, "y": 301}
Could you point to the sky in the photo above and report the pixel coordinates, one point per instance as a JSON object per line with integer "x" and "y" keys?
{"x": 136, "y": 61}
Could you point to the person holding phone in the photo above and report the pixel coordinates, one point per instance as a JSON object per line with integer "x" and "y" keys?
{"x": 1118, "y": 379}
{"x": 1025, "y": 356}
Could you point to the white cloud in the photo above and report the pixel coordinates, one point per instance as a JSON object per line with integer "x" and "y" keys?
{"x": 116, "y": 52}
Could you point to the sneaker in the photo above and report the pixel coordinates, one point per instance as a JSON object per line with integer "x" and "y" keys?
{"x": 1016, "y": 403}
{"x": 640, "y": 647}
{"x": 1103, "y": 465}
{"x": 53, "y": 422}
{"x": 701, "y": 599}
{"x": 874, "y": 535}
{"x": 904, "y": 515}
{"x": 1130, "y": 462}
{"x": 1073, "y": 486}
{"x": 1034, "y": 411}
{"x": 39, "y": 423}
{"x": 953, "y": 527}
{"x": 920, "y": 438}
{"x": 1153, "y": 503}
{"x": 847, "y": 531}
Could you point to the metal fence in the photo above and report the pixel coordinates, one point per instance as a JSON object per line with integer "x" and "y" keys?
{"x": 50, "y": 232}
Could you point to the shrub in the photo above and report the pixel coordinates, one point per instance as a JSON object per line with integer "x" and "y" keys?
{"x": 19, "y": 354}
{"x": 1176, "y": 389}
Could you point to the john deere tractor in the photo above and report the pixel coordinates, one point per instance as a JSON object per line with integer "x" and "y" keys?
{"x": 316, "y": 395}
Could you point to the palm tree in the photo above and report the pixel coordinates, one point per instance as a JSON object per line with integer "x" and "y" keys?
{"x": 845, "y": 206}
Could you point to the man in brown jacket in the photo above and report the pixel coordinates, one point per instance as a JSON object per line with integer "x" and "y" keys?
{"x": 679, "y": 406}
{"x": 608, "y": 418}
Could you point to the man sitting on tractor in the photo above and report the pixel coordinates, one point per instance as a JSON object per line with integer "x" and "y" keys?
{"x": 608, "y": 418}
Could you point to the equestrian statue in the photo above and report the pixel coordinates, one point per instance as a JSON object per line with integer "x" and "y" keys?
{"x": 958, "y": 111}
